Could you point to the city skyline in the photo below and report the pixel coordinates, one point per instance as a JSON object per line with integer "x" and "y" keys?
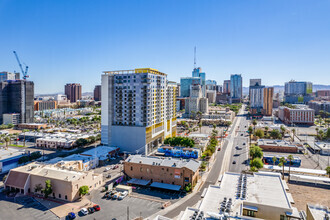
{"x": 66, "y": 42}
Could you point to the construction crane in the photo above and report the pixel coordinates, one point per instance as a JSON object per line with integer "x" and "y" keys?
{"x": 25, "y": 75}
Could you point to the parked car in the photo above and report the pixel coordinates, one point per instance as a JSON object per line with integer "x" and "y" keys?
{"x": 91, "y": 210}
{"x": 116, "y": 195}
{"x": 108, "y": 176}
{"x": 106, "y": 194}
{"x": 71, "y": 215}
{"x": 115, "y": 167}
{"x": 123, "y": 195}
{"x": 97, "y": 207}
{"x": 219, "y": 149}
{"x": 243, "y": 143}
{"x": 84, "y": 211}
{"x": 241, "y": 134}
{"x": 234, "y": 162}
{"x": 106, "y": 169}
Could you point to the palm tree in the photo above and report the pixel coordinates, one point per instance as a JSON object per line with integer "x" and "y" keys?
{"x": 24, "y": 130}
{"x": 266, "y": 129}
{"x": 274, "y": 159}
{"x": 7, "y": 139}
{"x": 293, "y": 133}
{"x": 254, "y": 122}
{"x": 328, "y": 170}
{"x": 282, "y": 130}
{"x": 317, "y": 130}
{"x": 200, "y": 127}
{"x": 281, "y": 164}
{"x": 290, "y": 158}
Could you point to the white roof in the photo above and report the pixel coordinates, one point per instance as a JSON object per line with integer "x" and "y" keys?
{"x": 166, "y": 162}
{"x": 101, "y": 151}
{"x": 295, "y": 169}
{"x": 10, "y": 153}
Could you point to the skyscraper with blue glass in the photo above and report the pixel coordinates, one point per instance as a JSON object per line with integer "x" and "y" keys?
{"x": 236, "y": 88}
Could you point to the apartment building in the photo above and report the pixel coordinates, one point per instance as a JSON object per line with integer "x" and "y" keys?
{"x": 300, "y": 114}
{"x": 97, "y": 93}
{"x": 319, "y": 106}
{"x": 226, "y": 86}
{"x": 73, "y": 91}
{"x": 172, "y": 171}
{"x": 64, "y": 177}
{"x": 139, "y": 105}
{"x": 298, "y": 92}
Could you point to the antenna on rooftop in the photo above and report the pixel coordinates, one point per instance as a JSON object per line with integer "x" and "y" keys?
{"x": 195, "y": 57}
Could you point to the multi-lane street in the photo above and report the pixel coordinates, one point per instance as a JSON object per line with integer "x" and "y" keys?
{"x": 223, "y": 161}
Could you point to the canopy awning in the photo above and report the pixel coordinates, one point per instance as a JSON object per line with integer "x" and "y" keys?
{"x": 166, "y": 186}
{"x": 249, "y": 207}
{"x": 139, "y": 182}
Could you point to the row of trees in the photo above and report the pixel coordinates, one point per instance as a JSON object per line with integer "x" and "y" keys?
{"x": 256, "y": 154}
{"x": 211, "y": 147}
{"x": 8, "y": 126}
{"x": 180, "y": 141}
{"x": 321, "y": 135}
{"x": 90, "y": 140}
{"x": 33, "y": 156}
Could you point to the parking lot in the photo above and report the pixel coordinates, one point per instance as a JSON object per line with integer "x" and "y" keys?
{"x": 23, "y": 208}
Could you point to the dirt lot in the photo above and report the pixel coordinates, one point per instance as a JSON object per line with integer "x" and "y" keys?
{"x": 307, "y": 194}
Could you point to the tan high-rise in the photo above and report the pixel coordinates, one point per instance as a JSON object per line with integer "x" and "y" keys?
{"x": 73, "y": 91}
{"x": 268, "y": 101}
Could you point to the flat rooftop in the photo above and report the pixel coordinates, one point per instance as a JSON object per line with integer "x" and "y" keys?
{"x": 279, "y": 143}
{"x": 166, "y": 162}
{"x": 135, "y": 71}
{"x": 10, "y": 153}
{"x": 50, "y": 171}
{"x": 318, "y": 211}
{"x": 262, "y": 188}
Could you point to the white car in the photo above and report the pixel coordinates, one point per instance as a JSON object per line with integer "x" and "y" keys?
{"x": 107, "y": 169}
{"x": 84, "y": 211}
{"x": 123, "y": 195}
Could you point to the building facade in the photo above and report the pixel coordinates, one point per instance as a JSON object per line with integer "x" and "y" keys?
{"x": 211, "y": 85}
{"x": 196, "y": 102}
{"x": 268, "y": 94}
{"x": 197, "y": 72}
{"x": 186, "y": 83}
{"x": 226, "y": 86}
{"x": 97, "y": 93}
{"x": 73, "y": 91}
{"x": 17, "y": 96}
{"x": 298, "y": 92}
{"x": 256, "y": 98}
{"x": 140, "y": 105}
{"x": 4, "y": 76}
{"x": 163, "y": 170}
{"x": 319, "y": 106}
{"x": 44, "y": 105}
{"x": 299, "y": 115}
{"x": 236, "y": 88}
{"x": 322, "y": 93}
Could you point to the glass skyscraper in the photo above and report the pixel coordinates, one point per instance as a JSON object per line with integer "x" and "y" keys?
{"x": 236, "y": 87}
{"x": 185, "y": 84}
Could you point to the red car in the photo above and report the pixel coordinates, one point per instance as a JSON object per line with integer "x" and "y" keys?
{"x": 219, "y": 149}
{"x": 97, "y": 207}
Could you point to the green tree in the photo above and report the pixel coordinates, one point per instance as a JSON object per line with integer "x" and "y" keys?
{"x": 266, "y": 129}
{"x": 328, "y": 170}
{"x": 7, "y": 140}
{"x": 257, "y": 163}
{"x": 274, "y": 159}
{"x": 259, "y": 133}
{"x": 281, "y": 164}
{"x": 254, "y": 122}
{"x": 283, "y": 130}
{"x": 255, "y": 151}
{"x": 48, "y": 188}
{"x": 275, "y": 134}
{"x": 290, "y": 158}
{"x": 200, "y": 127}
{"x": 83, "y": 190}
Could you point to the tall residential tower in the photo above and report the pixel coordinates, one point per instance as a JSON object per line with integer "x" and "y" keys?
{"x": 138, "y": 109}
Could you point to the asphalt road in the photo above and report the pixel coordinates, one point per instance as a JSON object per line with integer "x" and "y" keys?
{"x": 214, "y": 173}
{"x": 240, "y": 150}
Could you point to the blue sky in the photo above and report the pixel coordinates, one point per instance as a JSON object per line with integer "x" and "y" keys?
{"x": 66, "y": 41}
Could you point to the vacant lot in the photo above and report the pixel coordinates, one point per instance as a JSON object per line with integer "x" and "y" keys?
{"x": 303, "y": 195}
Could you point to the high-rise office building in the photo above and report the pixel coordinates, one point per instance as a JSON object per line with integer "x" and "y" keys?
{"x": 254, "y": 82}
{"x": 97, "y": 93}
{"x": 186, "y": 83}
{"x": 298, "y": 92}
{"x": 73, "y": 91}
{"x": 256, "y": 98}
{"x": 138, "y": 109}
{"x": 196, "y": 102}
{"x": 211, "y": 84}
{"x": 7, "y": 76}
{"x": 17, "y": 97}
{"x": 236, "y": 89}
{"x": 218, "y": 88}
{"x": 268, "y": 94}
{"x": 226, "y": 86}
{"x": 197, "y": 72}
{"x": 178, "y": 90}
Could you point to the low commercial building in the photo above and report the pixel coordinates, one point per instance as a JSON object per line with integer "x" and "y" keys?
{"x": 56, "y": 143}
{"x": 32, "y": 126}
{"x": 300, "y": 114}
{"x": 322, "y": 148}
{"x": 261, "y": 195}
{"x": 9, "y": 159}
{"x": 157, "y": 170}
{"x": 279, "y": 146}
{"x": 316, "y": 212}
{"x": 45, "y": 105}
{"x": 64, "y": 178}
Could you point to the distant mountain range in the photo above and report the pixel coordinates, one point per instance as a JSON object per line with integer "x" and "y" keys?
{"x": 58, "y": 93}
{"x": 278, "y": 88}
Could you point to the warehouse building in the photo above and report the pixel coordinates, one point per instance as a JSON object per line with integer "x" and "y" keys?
{"x": 9, "y": 158}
